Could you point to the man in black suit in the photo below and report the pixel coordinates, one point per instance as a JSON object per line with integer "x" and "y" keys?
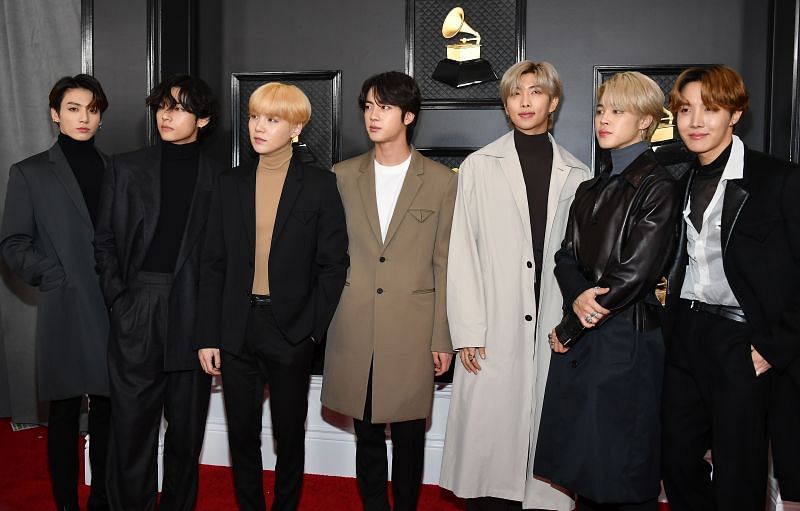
{"x": 732, "y": 380}
{"x": 273, "y": 268}
{"x": 153, "y": 214}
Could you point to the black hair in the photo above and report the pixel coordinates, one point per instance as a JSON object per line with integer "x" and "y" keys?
{"x": 195, "y": 96}
{"x": 81, "y": 81}
{"x": 396, "y": 89}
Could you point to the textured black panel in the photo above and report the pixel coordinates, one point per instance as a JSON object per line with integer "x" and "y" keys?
{"x": 500, "y": 24}
{"x": 449, "y": 156}
{"x": 321, "y": 134}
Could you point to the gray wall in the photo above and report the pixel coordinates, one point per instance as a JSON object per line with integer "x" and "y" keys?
{"x": 363, "y": 38}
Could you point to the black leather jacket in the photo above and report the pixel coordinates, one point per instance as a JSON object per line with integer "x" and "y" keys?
{"x": 621, "y": 235}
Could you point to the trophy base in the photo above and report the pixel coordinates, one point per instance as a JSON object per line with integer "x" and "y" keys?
{"x": 462, "y": 74}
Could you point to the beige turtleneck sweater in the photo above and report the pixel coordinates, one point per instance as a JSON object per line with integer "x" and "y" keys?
{"x": 270, "y": 176}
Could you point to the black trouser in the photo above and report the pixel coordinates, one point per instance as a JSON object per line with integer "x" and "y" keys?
{"x": 713, "y": 399}
{"x": 408, "y": 454}
{"x": 493, "y": 504}
{"x": 62, "y": 454}
{"x": 267, "y": 358}
{"x": 585, "y": 504}
{"x": 140, "y": 390}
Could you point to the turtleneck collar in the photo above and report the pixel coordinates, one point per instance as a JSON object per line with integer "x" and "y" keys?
{"x": 528, "y": 144}
{"x": 72, "y": 146}
{"x": 621, "y": 158}
{"x": 173, "y": 152}
{"x": 277, "y": 161}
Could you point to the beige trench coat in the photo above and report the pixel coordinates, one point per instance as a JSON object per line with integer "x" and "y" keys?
{"x": 393, "y": 303}
{"x": 494, "y": 416}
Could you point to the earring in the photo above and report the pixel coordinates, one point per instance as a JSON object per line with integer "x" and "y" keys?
{"x": 55, "y": 121}
{"x": 100, "y": 126}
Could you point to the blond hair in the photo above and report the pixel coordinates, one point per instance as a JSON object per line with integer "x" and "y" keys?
{"x": 634, "y": 92}
{"x": 281, "y": 100}
{"x": 546, "y": 78}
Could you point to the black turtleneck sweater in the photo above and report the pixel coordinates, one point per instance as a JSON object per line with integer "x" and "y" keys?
{"x": 179, "y": 167}
{"x": 536, "y": 158}
{"x": 704, "y": 184}
{"x": 88, "y": 168}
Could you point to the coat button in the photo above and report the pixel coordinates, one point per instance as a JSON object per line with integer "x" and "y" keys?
{"x": 382, "y": 259}
{"x": 380, "y": 290}
{"x": 529, "y": 264}
{"x": 574, "y": 364}
{"x": 528, "y": 317}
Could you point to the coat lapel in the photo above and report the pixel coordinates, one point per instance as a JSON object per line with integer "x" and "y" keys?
{"x": 732, "y": 203}
{"x": 198, "y": 211}
{"x": 66, "y": 177}
{"x": 366, "y": 188}
{"x": 247, "y": 203}
{"x": 411, "y": 185}
{"x": 512, "y": 170}
{"x": 291, "y": 189}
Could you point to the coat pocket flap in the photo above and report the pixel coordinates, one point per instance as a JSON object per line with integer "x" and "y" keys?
{"x": 420, "y": 214}
{"x": 304, "y": 215}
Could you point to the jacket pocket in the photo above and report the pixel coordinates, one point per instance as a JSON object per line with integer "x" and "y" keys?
{"x": 304, "y": 216}
{"x": 759, "y": 230}
{"x": 423, "y": 291}
{"x": 420, "y": 215}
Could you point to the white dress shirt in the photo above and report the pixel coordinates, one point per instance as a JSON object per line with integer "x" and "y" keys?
{"x": 705, "y": 275}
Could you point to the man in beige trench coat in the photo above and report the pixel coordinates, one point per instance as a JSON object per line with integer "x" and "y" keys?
{"x": 500, "y": 329}
{"x": 389, "y": 335}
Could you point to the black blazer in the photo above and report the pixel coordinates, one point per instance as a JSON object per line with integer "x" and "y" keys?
{"x": 761, "y": 256}
{"x": 128, "y": 216}
{"x": 307, "y": 262}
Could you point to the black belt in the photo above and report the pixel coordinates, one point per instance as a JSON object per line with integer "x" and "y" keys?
{"x": 726, "y": 311}
{"x": 260, "y": 300}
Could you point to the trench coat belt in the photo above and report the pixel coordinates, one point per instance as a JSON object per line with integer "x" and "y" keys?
{"x": 726, "y": 311}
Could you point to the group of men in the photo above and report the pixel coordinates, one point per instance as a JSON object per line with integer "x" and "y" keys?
{"x": 248, "y": 270}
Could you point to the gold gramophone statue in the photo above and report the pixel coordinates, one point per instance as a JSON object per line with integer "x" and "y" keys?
{"x": 463, "y": 65}
{"x": 665, "y": 132}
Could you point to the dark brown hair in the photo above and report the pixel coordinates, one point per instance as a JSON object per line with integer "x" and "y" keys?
{"x": 721, "y": 87}
{"x": 80, "y": 81}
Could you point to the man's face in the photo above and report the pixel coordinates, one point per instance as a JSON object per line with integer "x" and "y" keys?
{"x": 268, "y": 133}
{"x": 385, "y": 123}
{"x": 705, "y": 129}
{"x": 176, "y": 124}
{"x": 75, "y": 118}
{"x": 529, "y": 106}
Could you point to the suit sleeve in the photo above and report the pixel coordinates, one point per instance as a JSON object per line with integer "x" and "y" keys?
{"x": 105, "y": 246}
{"x": 466, "y": 298}
{"x": 782, "y": 347}
{"x": 440, "y": 340}
{"x": 19, "y": 237}
{"x": 332, "y": 258}
{"x": 213, "y": 263}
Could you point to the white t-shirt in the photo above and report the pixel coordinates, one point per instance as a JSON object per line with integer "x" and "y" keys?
{"x": 388, "y": 183}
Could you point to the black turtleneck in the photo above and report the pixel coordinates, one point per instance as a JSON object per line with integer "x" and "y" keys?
{"x": 179, "y": 167}
{"x": 704, "y": 184}
{"x": 536, "y": 158}
{"x": 88, "y": 168}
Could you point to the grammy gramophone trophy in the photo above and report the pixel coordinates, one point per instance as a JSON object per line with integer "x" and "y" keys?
{"x": 463, "y": 65}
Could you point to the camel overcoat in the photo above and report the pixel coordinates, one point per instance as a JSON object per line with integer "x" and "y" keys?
{"x": 494, "y": 416}
{"x": 392, "y": 311}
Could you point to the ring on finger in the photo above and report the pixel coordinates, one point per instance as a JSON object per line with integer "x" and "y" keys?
{"x": 470, "y": 357}
{"x": 593, "y": 314}
{"x": 587, "y": 318}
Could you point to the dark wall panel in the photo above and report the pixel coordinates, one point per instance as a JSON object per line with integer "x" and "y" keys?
{"x": 120, "y": 52}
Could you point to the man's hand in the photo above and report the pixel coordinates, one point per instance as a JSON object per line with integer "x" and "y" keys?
{"x": 587, "y": 309}
{"x": 759, "y": 363}
{"x": 210, "y": 360}
{"x": 441, "y": 362}
{"x": 555, "y": 344}
{"x": 469, "y": 360}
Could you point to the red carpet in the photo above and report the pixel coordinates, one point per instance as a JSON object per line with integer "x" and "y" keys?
{"x": 25, "y": 484}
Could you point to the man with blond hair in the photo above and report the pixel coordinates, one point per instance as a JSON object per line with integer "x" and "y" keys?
{"x": 273, "y": 267}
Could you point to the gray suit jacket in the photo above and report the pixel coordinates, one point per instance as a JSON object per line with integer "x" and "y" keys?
{"x": 46, "y": 238}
